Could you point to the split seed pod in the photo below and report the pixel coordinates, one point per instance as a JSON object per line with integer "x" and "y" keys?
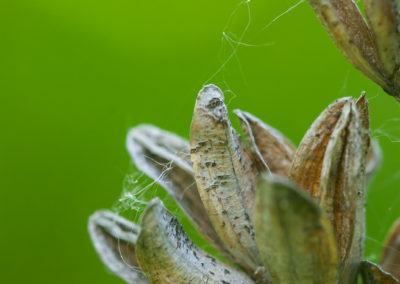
{"x": 277, "y": 214}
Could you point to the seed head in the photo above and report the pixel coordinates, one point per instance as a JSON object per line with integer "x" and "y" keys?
{"x": 275, "y": 213}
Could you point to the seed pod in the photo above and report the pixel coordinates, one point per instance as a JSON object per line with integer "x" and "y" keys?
{"x": 347, "y": 28}
{"x": 330, "y": 163}
{"x": 383, "y": 19}
{"x": 371, "y": 148}
{"x": 167, "y": 255}
{"x": 373, "y": 49}
{"x": 274, "y": 150}
{"x": 114, "y": 239}
{"x": 294, "y": 236}
{"x": 307, "y": 163}
{"x": 342, "y": 188}
{"x": 224, "y": 176}
{"x": 165, "y": 158}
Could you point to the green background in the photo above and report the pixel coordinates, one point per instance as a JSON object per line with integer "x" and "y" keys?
{"x": 76, "y": 75}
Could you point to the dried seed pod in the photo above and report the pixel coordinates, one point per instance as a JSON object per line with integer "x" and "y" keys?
{"x": 347, "y": 28}
{"x": 362, "y": 106}
{"x": 167, "y": 255}
{"x": 373, "y": 274}
{"x": 293, "y": 231}
{"x": 390, "y": 260}
{"x": 294, "y": 236}
{"x": 383, "y": 19}
{"x": 224, "y": 176}
{"x": 267, "y": 143}
{"x": 165, "y": 158}
{"x": 371, "y": 149}
{"x": 342, "y": 188}
{"x": 330, "y": 163}
{"x": 114, "y": 239}
{"x": 307, "y": 164}
{"x": 373, "y": 49}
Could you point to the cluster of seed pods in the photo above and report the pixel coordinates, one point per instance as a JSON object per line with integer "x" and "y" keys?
{"x": 274, "y": 212}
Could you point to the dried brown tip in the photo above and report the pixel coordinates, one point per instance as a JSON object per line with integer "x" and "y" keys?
{"x": 390, "y": 260}
{"x": 371, "y": 148}
{"x": 114, "y": 239}
{"x": 362, "y": 106}
{"x": 167, "y": 255}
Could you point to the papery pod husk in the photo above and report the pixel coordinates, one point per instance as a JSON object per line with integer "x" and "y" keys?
{"x": 383, "y": 18}
{"x": 307, "y": 164}
{"x": 362, "y": 107}
{"x": 372, "y": 148}
{"x": 342, "y": 188}
{"x": 294, "y": 236}
{"x": 224, "y": 176}
{"x": 348, "y": 29}
{"x": 114, "y": 239}
{"x": 165, "y": 157}
{"x": 330, "y": 164}
{"x": 390, "y": 260}
{"x": 273, "y": 149}
{"x": 167, "y": 255}
{"x": 373, "y": 274}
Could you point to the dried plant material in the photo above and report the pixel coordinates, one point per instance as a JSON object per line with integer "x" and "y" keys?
{"x": 314, "y": 234}
{"x": 383, "y": 19}
{"x": 307, "y": 163}
{"x": 294, "y": 236}
{"x": 165, "y": 158}
{"x": 373, "y": 274}
{"x": 390, "y": 260}
{"x": 273, "y": 148}
{"x": 330, "y": 164}
{"x": 374, "y": 160}
{"x": 347, "y": 28}
{"x": 224, "y": 176}
{"x": 259, "y": 162}
{"x": 362, "y": 106}
{"x": 114, "y": 239}
{"x": 373, "y": 49}
{"x": 370, "y": 149}
{"x": 342, "y": 188}
{"x": 167, "y": 255}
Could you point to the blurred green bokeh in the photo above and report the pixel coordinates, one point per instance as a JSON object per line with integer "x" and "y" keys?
{"x": 76, "y": 75}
